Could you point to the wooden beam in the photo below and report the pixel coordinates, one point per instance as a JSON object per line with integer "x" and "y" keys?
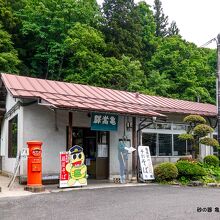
{"x": 70, "y": 130}
{"x": 134, "y": 143}
{"x": 2, "y": 109}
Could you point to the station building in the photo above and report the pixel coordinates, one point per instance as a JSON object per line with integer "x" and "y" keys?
{"x": 63, "y": 114}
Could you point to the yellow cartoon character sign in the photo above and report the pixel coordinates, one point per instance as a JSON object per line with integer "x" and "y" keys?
{"x": 76, "y": 168}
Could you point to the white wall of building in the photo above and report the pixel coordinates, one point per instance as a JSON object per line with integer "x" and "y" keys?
{"x": 9, "y": 163}
{"x": 40, "y": 124}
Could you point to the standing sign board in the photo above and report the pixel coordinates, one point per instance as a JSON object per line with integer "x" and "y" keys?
{"x": 73, "y": 171}
{"x": 64, "y": 175}
{"x": 104, "y": 122}
{"x": 145, "y": 162}
{"x": 24, "y": 153}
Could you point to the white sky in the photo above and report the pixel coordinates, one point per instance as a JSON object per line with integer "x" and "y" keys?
{"x": 198, "y": 20}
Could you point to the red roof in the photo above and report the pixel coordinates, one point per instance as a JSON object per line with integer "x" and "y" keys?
{"x": 84, "y": 97}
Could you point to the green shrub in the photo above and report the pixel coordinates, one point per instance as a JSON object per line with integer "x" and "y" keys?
{"x": 209, "y": 141}
{"x": 211, "y": 160}
{"x": 208, "y": 179}
{"x": 190, "y": 169}
{"x": 195, "y": 119}
{"x": 165, "y": 171}
{"x": 186, "y": 137}
{"x": 202, "y": 130}
{"x": 184, "y": 180}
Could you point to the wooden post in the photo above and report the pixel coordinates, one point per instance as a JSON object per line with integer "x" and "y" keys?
{"x": 134, "y": 154}
{"x": 70, "y": 130}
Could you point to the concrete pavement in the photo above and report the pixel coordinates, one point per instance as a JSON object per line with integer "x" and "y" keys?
{"x": 158, "y": 202}
{"x": 18, "y": 190}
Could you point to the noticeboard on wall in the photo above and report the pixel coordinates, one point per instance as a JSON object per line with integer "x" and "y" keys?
{"x": 104, "y": 122}
{"x": 102, "y": 150}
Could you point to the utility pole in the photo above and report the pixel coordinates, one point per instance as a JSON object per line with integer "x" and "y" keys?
{"x": 218, "y": 85}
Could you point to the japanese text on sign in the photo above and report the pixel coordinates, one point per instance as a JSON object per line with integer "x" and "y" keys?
{"x": 104, "y": 122}
{"x": 63, "y": 162}
{"x": 146, "y": 163}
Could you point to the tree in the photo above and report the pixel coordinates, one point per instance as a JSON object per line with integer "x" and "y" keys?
{"x": 185, "y": 69}
{"x": 8, "y": 17}
{"x": 197, "y": 133}
{"x": 84, "y": 46}
{"x": 148, "y": 31}
{"x": 8, "y": 55}
{"x": 158, "y": 84}
{"x": 122, "y": 28}
{"x": 161, "y": 19}
{"x": 45, "y": 26}
{"x": 173, "y": 29}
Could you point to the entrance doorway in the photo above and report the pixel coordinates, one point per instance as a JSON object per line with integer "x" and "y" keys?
{"x": 96, "y": 149}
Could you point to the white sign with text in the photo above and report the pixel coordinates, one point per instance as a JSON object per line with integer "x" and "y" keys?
{"x": 145, "y": 162}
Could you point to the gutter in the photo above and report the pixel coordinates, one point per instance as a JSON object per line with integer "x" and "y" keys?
{"x": 16, "y": 107}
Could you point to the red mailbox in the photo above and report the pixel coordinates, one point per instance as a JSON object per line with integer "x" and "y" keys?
{"x": 34, "y": 166}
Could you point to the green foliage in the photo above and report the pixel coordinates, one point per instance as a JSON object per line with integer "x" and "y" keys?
{"x": 112, "y": 73}
{"x": 148, "y": 31}
{"x": 161, "y": 19}
{"x": 184, "y": 180}
{"x": 122, "y": 28}
{"x": 83, "y": 46}
{"x": 190, "y": 169}
{"x": 183, "y": 68}
{"x": 208, "y": 179}
{"x": 185, "y": 137}
{"x": 45, "y": 23}
{"x": 165, "y": 171}
{"x": 73, "y": 40}
{"x": 211, "y": 160}
{"x": 8, "y": 55}
{"x": 202, "y": 130}
{"x": 209, "y": 142}
{"x": 195, "y": 119}
{"x": 197, "y": 132}
{"x": 213, "y": 173}
{"x": 173, "y": 29}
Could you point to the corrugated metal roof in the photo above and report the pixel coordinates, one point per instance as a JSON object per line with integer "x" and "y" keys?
{"x": 84, "y": 97}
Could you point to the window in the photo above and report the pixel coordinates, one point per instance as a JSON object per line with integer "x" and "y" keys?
{"x": 77, "y": 136}
{"x": 161, "y": 144}
{"x": 165, "y": 144}
{"x": 179, "y": 146}
{"x": 12, "y": 137}
{"x": 162, "y": 139}
{"x": 150, "y": 139}
{"x": 164, "y": 126}
{"x": 179, "y": 127}
{"x": 215, "y": 149}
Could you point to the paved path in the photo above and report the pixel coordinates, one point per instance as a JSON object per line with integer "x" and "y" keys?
{"x": 16, "y": 190}
{"x": 145, "y": 202}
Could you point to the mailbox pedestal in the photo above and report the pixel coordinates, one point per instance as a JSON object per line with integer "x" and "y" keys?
{"x": 34, "y": 167}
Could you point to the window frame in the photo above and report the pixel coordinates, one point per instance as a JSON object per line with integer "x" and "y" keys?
{"x": 12, "y": 147}
{"x": 171, "y": 132}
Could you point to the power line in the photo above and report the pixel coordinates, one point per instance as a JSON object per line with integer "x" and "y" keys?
{"x": 209, "y": 42}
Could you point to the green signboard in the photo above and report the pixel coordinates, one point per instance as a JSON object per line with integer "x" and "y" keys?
{"x": 104, "y": 122}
